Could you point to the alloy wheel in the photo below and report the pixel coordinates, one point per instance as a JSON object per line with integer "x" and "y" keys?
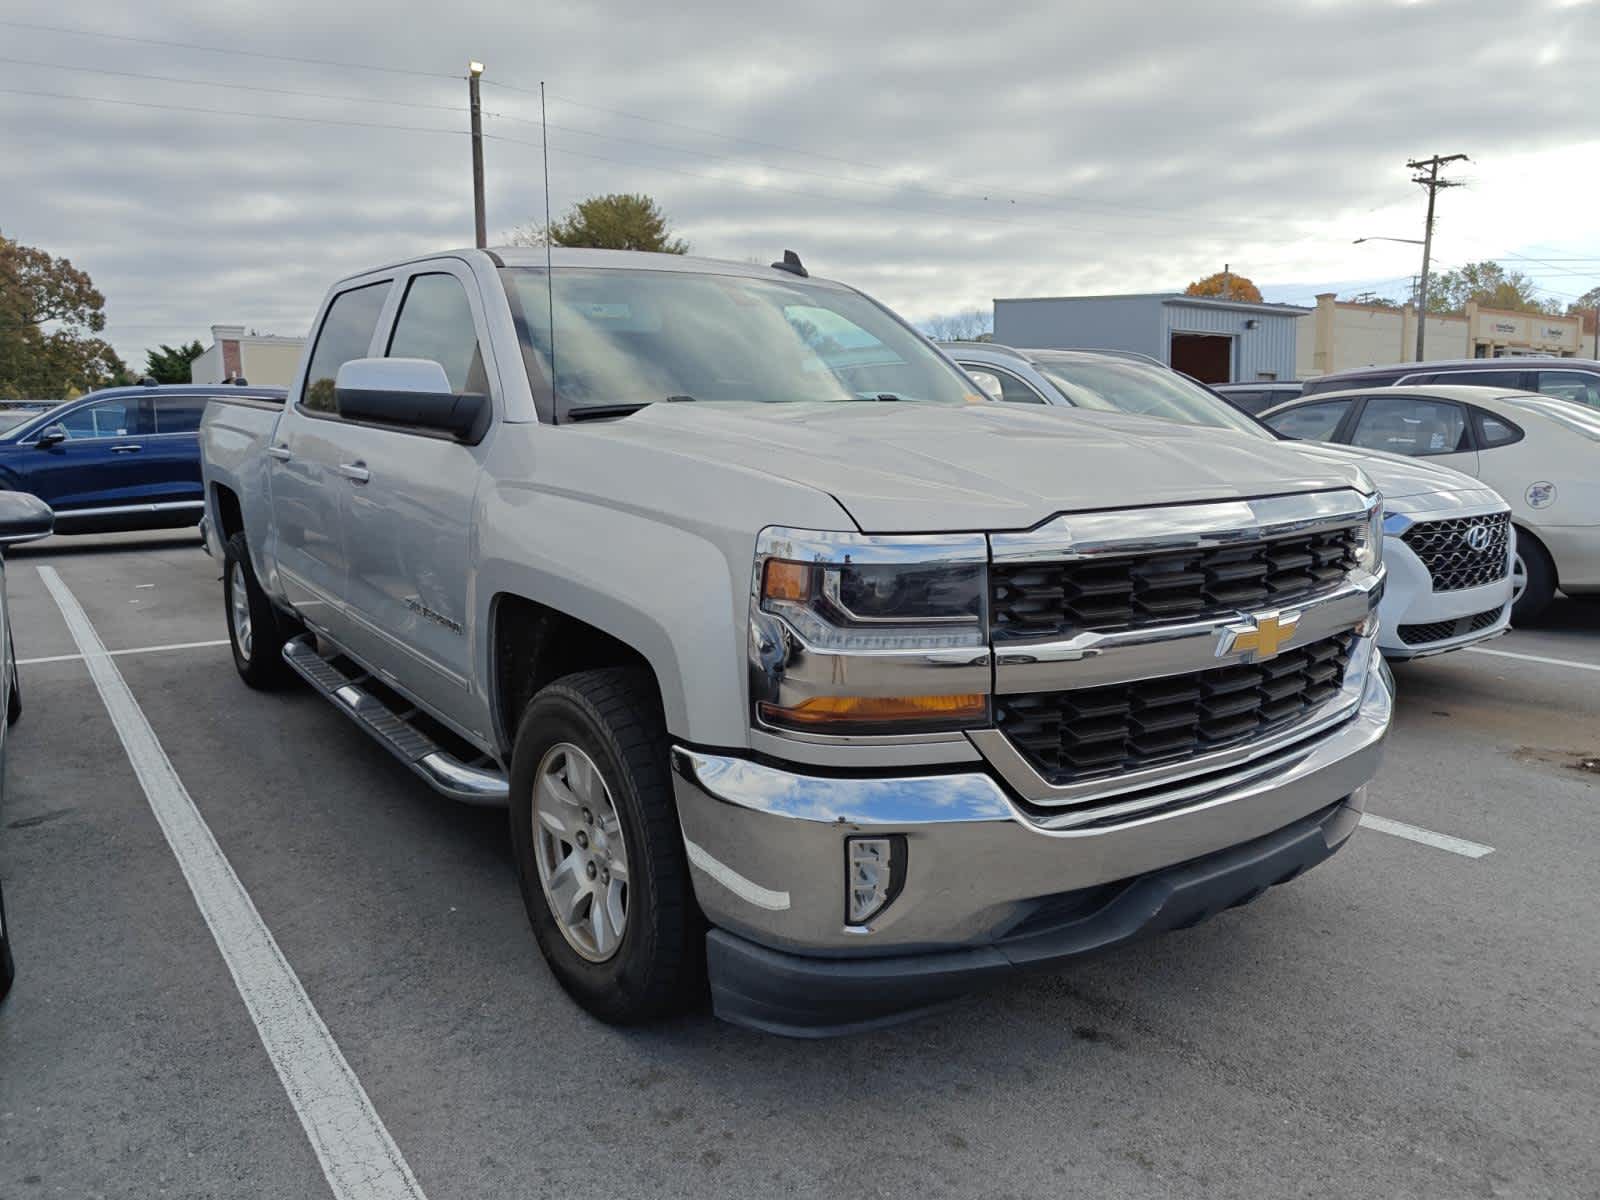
{"x": 580, "y": 853}
{"x": 240, "y": 606}
{"x": 1519, "y": 577}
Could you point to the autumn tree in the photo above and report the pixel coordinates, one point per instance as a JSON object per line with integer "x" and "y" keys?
{"x": 49, "y": 312}
{"x": 169, "y": 364}
{"x": 1225, "y": 285}
{"x": 619, "y": 221}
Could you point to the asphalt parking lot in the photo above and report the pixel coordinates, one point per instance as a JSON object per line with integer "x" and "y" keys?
{"x": 1415, "y": 1018}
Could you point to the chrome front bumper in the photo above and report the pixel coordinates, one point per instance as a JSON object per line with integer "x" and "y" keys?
{"x": 767, "y": 845}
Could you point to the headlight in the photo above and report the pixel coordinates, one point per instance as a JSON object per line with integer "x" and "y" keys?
{"x": 1369, "y": 541}
{"x": 852, "y": 635}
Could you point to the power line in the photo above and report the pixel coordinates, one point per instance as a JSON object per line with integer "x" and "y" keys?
{"x": 229, "y": 112}
{"x": 1116, "y": 207}
{"x": 314, "y": 62}
{"x": 231, "y": 84}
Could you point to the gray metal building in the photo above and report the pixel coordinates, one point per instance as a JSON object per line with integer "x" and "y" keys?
{"x": 1216, "y": 341}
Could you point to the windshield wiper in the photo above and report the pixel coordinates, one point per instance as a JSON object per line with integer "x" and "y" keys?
{"x": 599, "y": 412}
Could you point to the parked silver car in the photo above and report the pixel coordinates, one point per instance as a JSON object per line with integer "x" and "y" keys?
{"x": 23, "y": 518}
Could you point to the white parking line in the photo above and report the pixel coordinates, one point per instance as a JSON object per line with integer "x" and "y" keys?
{"x": 28, "y": 662}
{"x": 1415, "y": 833}
{"x": 358, "y": 1157}
{"x": 1538, "y": 658}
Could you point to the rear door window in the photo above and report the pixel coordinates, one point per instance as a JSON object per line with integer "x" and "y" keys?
{"x": 1311, "y": 422}
{"x": 1495, "y": 379}
{"x": 179, "y": 414}
{"x": 346, "y": 333}
{"x": 1413, "y": 425}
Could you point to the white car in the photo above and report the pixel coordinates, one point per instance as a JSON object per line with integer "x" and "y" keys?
{"x": 1449, "y": 543}
{"x": 1539, "y": 452}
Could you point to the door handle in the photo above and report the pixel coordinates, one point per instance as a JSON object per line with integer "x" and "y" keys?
{"x": 126, "y": 449}
{"x": 281, "y": 453}
{"x": 355, "y": 472}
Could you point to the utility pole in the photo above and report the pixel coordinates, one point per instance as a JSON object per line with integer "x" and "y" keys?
{"x": 474, "y": 70}
{"x": 1433, "y": 183}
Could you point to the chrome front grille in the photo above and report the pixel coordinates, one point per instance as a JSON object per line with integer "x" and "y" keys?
{"x": 1050, "y": 599}
{"x": 1079, "y": 735}
{"x": 1462, "y": 552}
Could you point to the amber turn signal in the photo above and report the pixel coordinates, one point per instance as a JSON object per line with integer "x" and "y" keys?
{"x": 824, "y": 710}
{"x": 786, "y": 581}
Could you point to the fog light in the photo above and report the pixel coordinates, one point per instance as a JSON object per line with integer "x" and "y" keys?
{"x": 875, "y": 867}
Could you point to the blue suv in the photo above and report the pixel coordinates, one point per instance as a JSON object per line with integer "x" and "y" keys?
{"x": 118, "y": 459}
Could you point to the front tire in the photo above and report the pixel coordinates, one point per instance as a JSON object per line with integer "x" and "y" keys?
{"x": 599, "y": 856}
{"x": 253, "y": 630}
{"x": 1534, "y": 577}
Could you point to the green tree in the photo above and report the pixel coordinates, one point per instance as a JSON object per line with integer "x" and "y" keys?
{"x": 1225, "y": 285}
{"x": 1489, "y": 285}
{"x": 1372, "y": 300}
{"x": 49, "y": 312}
{"x": 169, "y": 364}
{"x": 1586, "y": 306}
{"x": 619, "y": 221}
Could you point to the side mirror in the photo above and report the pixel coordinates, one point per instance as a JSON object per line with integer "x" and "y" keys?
{"x": 51, "y": 435}
{"x": 413, "y": 393}
{"x": 24, "y": 518}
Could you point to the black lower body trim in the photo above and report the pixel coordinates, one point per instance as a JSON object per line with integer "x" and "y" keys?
{"x": 799, "y": 996}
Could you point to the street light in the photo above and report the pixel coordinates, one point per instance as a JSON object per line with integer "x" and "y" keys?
{"x": 1421, "y": 295}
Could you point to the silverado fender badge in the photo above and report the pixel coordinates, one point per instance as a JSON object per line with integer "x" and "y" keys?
{"x": 1257, "y": 637}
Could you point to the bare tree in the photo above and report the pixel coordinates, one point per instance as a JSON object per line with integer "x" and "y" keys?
{"x": 971, "y": 325}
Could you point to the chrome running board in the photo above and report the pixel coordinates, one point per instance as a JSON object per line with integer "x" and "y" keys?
{"x": 471, "y": 783}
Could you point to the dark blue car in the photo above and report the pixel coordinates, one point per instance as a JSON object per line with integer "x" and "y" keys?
{"x": 117, "y": 459}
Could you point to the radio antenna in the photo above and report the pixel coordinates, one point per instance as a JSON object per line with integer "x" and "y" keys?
{"x": 549, "y": 272}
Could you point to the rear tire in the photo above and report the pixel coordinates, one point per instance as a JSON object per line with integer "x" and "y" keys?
{"x": 609, "y": 720}
{"x": 1537, "y": 575}
{"x": 14, "y": 696}
{"x": 254, "y": 633}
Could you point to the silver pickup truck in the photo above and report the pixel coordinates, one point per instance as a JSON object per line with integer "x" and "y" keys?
{"x": 799, "y": 665}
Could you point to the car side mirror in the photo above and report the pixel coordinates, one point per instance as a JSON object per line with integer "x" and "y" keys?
{"x": 413, "y": 393}
{"x": 24, "y": 518}
{"x": 51, "y": 435}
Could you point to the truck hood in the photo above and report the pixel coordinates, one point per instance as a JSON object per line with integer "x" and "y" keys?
{"x": 911, "y": 468}
{"x": 1400, "y": 478}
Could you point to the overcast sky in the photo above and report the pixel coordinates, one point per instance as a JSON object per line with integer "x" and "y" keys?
{"x": 937, "y": 155}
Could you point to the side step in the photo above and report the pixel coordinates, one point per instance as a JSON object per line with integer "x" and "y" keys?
{"x": 475, "y": 783}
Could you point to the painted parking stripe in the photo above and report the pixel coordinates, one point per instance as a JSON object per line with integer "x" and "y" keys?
{"x": 28, "y": 662}
{"x": 1415, "y": 833}
{"x": 1537, "y": 658}
{"x": 357, "y": 1155}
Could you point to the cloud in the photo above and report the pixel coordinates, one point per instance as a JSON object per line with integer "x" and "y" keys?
{"x": 937, "y": 155}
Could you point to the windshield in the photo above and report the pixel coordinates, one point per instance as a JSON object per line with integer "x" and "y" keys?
{"x": 1130, "y": 387}
{"x": 10, "y": 418}
{"x": 629, "y": 338}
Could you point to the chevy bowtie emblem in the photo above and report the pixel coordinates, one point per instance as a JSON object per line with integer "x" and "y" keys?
{"x": 1258, "y": 637}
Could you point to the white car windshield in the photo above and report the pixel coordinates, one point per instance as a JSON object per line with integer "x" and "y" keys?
{"x": 1114, "y": 385}
{"x": 626, "y": 338}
